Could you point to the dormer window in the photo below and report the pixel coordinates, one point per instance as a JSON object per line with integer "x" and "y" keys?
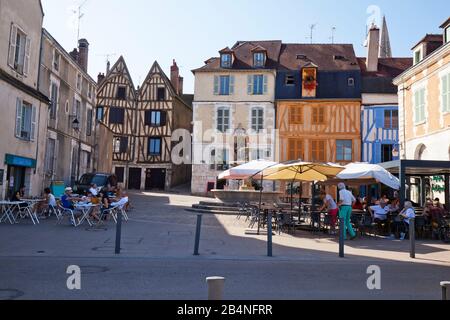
{"x": 259, "y": 59}
{"x": 418, "y": 55}
{"x": 226, "y": 60}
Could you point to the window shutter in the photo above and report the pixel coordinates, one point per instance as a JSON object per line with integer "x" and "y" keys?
{"x": 12, "y": 46}
{"x": 266, "y": 81}
{"x": 216, "y": 85}
{"x": 444, "y": 90}
{"x": 26, "y": 64}
{"x": 33, "y": 123}
{"x": 231, "y": 85}
{"x": 422, "y": 105}
{"x": 18, "y": 117}
{"x": 163, "y": 118}
{"x": 250, "y": 85}
{"x": 379, "y": 118}
{"x": 416, "y": 106}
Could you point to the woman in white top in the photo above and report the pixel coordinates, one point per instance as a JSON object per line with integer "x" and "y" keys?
{"x": 330, "y": 205}
{"x": 407, "y": 214}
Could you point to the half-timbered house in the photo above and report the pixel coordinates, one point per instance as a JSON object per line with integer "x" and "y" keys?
{"x": 143, "y": 122}
{"x": 318, "y": 103}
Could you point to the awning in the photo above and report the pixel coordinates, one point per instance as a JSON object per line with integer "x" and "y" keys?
{"x": 246, "y": 170}
{"x": 18, "y": 161}
{"x": 371, "y": 172}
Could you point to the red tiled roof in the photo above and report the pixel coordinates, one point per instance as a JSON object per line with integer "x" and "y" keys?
{"x": 244, "y": 56}
{"x": 430, "y": 38}
{"x": 328, "y": 57}
{"x": 387, "y": 67}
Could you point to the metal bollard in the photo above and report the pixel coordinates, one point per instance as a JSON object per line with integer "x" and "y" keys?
{"x": 197, "y": 234}
{"x": 215, "y": 288}
{"x": 269, "y": 234}
{"x": 412, "y": 238}
{"x": 341, "y": 237}
{"x": 445, "y": 285}
{"x": 118, "y": 231}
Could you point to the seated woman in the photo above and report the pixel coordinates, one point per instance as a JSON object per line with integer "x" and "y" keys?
{"x": 358, "y": 204}
{"x": 407, "y": 214}
{"x": 18, "y": 196}
{"x": 91, "y": 199}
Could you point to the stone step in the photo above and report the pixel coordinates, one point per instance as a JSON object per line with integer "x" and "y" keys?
{"x": 204, "y": 211}
{"x": 215, "y": 208}
{"x": 218, "y": 204}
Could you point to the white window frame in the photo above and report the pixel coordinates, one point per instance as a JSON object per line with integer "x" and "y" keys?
{"x": 79, "y": 82}
{"x": 56, "y": 53}
{"x": 54, "y": 82}
{"x": 24, "y": 53}
{"x": 258, "y": 117}
{"x": 420, "y": 51}
{"x": 229, "y": 62}
{"x": 222, "y": 123}
{"x": 259, "y": 63}
{"x": 19, "y": 128}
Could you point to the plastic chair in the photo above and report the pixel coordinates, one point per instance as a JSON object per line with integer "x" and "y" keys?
{"x": 69, "y": 212}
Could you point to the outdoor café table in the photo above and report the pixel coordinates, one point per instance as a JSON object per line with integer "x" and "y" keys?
{"x": 85, "y": 209}
{"x": 8, "y": 208}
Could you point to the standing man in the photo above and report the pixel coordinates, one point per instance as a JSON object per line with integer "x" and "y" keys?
{"x": 346, "y": 202}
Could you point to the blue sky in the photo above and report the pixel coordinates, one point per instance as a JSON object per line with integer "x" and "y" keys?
{"x": 191, "y": 31}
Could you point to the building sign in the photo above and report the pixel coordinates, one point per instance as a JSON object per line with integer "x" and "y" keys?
{"x": 438, "y": 184}
{"x": 17, "y": 161}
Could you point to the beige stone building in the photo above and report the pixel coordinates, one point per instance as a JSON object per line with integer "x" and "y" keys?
{"x": 71, "y": 137}
{"x": 424, "y": 98}
{"x": 23, "y": 108}
{"x": 234, "y": 110}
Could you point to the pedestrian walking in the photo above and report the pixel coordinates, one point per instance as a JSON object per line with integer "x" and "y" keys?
{"x": 346, "y": 202}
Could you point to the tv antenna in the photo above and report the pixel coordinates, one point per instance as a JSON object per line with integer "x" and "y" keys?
{"x": 312, "y": 27}
{"x": 333, "y": 33}
{"x": 80, "y": 16}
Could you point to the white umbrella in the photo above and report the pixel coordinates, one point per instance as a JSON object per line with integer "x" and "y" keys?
{"x": 360, "y": 171}
{"x": 246, "y": 170}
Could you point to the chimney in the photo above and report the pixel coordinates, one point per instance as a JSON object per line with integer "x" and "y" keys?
{"x": 175, "y": 76}
{"x": 180, "y": 85}
{"x": 83, "y": 56}
{"x": 74, "y": 54}
{"x": 100, "y": 77}
{"x": 373, "y": 48}
{"x": 108, "y": 67}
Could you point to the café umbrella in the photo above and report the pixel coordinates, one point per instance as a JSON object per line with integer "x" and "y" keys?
{"x": 301, "y": 171}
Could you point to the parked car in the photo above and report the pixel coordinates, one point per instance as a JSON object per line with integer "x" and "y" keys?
{"x": 102, "y": 180}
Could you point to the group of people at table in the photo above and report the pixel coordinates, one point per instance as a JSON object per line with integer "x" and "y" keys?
{"x": 385, "y": 213}
{"x": 97, "y": 201}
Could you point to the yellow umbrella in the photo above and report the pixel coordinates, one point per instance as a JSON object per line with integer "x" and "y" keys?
{"x": 302, "y": 171}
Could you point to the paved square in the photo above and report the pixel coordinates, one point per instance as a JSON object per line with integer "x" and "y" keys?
{"x": 157, "y": 260}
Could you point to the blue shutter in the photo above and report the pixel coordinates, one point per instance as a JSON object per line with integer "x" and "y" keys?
{"x": 379, "y": 118}
{"x": 376, "y": 153}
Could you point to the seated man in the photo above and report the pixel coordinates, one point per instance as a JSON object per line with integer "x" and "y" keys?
{"x": 407, "y": 214}
{"x": 93, "y": 190}
{"x": 379, "y": 213}
{"x": 67, "y": 200}
{"x": 48, "y": 203}
{"x": 437, "y": 218}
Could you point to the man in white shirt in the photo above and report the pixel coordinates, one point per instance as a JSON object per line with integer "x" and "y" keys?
{"x": 407, "y": 214}
{"x": 379, "y": 212}
{"x": 346, "y": 202}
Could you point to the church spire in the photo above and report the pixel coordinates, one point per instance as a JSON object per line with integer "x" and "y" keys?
{"x": 385, "y": 43}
